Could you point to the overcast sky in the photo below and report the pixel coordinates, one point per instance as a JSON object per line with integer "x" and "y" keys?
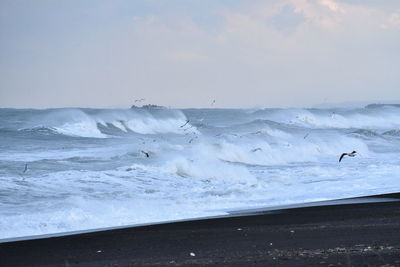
{"x": 182, "y": 53}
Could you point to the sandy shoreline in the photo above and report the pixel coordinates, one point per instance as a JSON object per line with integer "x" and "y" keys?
{"x": 348, "y": 235}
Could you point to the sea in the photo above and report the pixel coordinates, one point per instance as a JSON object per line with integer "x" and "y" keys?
{"x": 76, "y": 169}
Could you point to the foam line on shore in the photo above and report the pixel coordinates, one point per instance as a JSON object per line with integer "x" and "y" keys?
{"x": 391, "y": 197}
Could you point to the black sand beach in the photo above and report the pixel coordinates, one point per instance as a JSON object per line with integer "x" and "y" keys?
{"x": 361, "y": 234}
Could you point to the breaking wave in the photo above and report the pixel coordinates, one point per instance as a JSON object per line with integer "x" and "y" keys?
{"x": 106, "y": 123}
{"x": 76, "y": 169}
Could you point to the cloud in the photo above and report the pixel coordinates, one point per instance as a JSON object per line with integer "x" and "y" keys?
{"x": 394, "y": 18}
{"x": 292, "y": 51}
{"x": 269, "y": 53}
{"x": 331, "y": 5}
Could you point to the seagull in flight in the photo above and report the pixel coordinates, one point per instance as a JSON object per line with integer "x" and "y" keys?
{"x": 187, "y": 121}
{"x": 145, "y": 153}
{"x": 352, "y": 154}
{"x": 26, "y": 168}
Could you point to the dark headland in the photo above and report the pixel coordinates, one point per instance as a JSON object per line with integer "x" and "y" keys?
{"x": 364, "y": 233}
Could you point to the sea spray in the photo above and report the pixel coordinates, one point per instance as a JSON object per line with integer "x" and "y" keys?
{"x": 87, "y": 168}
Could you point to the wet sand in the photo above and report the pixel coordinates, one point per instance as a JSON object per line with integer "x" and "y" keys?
{"x": 361, "y": 234}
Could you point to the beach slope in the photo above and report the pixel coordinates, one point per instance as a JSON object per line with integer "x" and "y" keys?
{"x": 358, "y": 234}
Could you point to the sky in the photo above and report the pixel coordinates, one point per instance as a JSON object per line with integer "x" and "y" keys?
{"x": 187, "y": 53}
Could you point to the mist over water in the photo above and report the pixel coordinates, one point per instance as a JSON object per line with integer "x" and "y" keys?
{"x": 87, "y": 168}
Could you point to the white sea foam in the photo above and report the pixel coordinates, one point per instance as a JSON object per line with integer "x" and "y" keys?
{"x": 82, "y": 128}
{"x": 219, "y": 160}
{"x": 378, "y": 119}
{"x": 76, "y": 122}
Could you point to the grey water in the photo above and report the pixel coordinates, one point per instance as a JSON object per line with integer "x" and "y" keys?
{"x": 87, "y": 168}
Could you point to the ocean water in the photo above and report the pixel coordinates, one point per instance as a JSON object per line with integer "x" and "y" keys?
{"x": 77, "y": 169}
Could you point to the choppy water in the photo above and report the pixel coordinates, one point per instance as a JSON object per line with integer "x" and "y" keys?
{"x": 86, "y": 169}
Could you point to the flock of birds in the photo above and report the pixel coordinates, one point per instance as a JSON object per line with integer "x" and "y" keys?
{"x": 351, "y": 154}
{"x": 147, "y": 154}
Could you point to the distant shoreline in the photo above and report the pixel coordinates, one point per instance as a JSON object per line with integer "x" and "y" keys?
{"x": 338, "y": 105}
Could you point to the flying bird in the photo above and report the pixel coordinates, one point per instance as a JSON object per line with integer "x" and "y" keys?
{"x": 352, "y": 154}
{"x": 139, "y": 100}
{"x": 145, "y": 153}
{"x": 187, "y": 121}
{"x": 26, "y": 168}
